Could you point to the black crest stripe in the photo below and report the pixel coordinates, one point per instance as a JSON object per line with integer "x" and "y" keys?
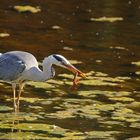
{"x": 57, "y": 57}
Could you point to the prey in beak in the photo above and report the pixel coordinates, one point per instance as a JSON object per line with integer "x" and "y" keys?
{"x": 76, "y": 74}
{"x": 75, "y": 71}
{"x": 61, "y": 61}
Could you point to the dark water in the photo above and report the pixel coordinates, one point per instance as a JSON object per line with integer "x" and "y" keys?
{"x": 107, "y": 103}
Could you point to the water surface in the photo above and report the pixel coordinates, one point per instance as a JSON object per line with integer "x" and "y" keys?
{"x": 106, "y": 105}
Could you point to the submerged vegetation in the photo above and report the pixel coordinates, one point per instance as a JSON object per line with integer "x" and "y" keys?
{"x": 53, "y": 112}
{"x": 102, "y": 39}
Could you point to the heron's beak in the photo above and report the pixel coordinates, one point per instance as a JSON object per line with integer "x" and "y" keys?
{"x": 75, "y": 70}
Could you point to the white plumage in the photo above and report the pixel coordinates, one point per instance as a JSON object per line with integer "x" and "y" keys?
{"x": 18, "y": 67}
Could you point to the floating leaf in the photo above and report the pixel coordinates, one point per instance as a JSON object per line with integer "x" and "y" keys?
{"x": 36, "y": 107}
{"x": 107, "y": 19}
{"x": 137, "y": 72}
{"x": 30, "y": 118}
{"x": 98, "y": 61}
{"x": 68, "y": 48}
{"x": 43, "y": 85}
{"x": 125, "y": 114}
{"x": 5, "y": 108}
{"x": 100, "y": 74}
{"x": 136, "y": 63}
{"x": 27, "y": 8}
{"x": 134, "y": 105}
{"x": 4, "y": 34}
{"x": 75, "y": 62}
{"x": 56, "y": 27}
{"x": 31, "y": 100}
{"x": 88, "y": 93}
{"x": 62, "y": 114}
{"x": 122, "y": 99}
{"x": 133, "y": 138}
{"x": 101, "y": 134}
{"x": 69, "y": 76}
{"x": 118, "y": 48}
{"x": 97, "y": 82}
{"x": 110, "y": 123}
{"x": 135, "y": 125}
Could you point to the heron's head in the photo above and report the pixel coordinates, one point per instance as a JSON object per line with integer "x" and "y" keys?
{"x": 61, "y": 61}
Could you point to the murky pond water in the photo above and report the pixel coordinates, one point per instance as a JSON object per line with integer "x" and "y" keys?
{"x": 102, "y": 39}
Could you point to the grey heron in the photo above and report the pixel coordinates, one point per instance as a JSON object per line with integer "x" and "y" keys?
{"x": 18, "y": 67}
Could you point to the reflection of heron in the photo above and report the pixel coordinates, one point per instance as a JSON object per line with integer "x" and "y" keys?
{"x": 18, "y": 67}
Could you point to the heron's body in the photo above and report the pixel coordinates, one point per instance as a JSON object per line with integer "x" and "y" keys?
{"x": 17, "y": 67}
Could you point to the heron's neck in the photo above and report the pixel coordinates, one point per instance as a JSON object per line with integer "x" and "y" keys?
{"x": 48, "y": 71}
{"x": 42, "y": 75}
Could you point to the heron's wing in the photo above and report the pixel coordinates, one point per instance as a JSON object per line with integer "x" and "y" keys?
{"x": 11, "y": 67}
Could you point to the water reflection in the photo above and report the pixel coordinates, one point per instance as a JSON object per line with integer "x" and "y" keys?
{"x": 106, "y": 105}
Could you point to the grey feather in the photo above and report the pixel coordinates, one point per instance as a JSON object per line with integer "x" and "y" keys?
{"x": 11, "y": 67}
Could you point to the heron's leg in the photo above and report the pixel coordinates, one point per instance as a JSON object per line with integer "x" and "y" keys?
{"x": 14, "y": 96}
{"x": 21, "y": 85}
